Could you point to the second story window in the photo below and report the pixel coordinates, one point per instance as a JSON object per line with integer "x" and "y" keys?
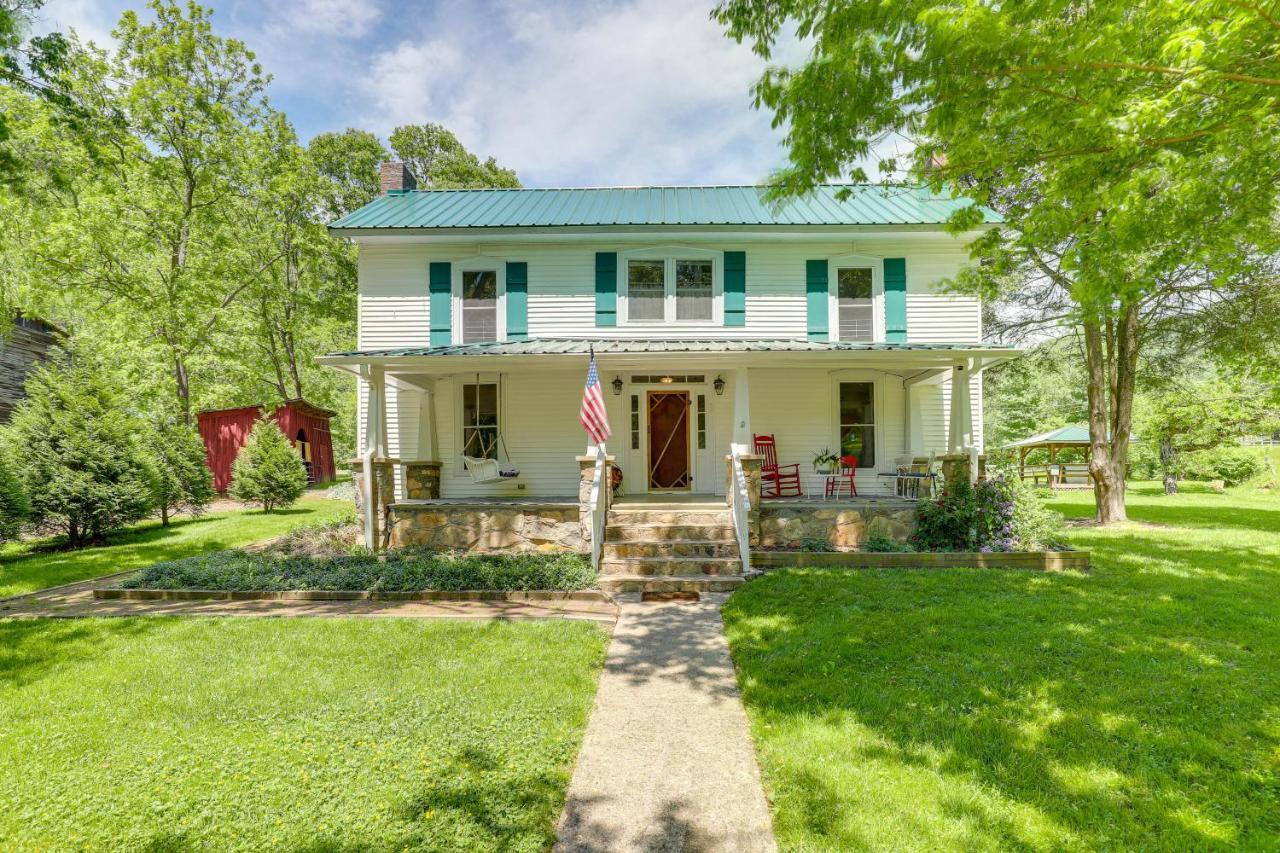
{"x": 673, "y": 286}
{"x": 479, "y": 306}
{"x": 855, "y": 304}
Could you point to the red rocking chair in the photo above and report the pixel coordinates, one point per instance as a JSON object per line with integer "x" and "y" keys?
{"x": 836, "y": 482}
{"x": 776, "y": 480}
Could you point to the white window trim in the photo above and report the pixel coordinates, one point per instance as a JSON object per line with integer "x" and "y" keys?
{"x": 459, "y": 380}
{"x": 671, "y": 254}
{"x": 877, "y": 293}
{"x": 877, "y": 381}
{"x": 478, "y": 263}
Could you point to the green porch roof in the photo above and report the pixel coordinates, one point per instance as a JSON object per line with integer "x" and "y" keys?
{"x": 868, "y": 204}
{"x": 582, "y": 346}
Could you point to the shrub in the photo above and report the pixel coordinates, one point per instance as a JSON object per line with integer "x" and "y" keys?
{"x": 996, "y": 514}
{"x": 401, "y": 571}
{"x": 878, "y": 543}
{"x": 15, "y": 505}
{"x": 78, "y": 452}
{"x": 268, "y": 471}
{"x": 1233, "y": 465}
{"x": 183, "y": 481}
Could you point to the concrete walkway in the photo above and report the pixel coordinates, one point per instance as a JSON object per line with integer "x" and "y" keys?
{"x": 667, "y": 763}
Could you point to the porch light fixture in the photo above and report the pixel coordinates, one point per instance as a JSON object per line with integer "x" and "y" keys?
{"x": 719, "y": 386}
{"x": 617, "y": 386}
{"x": 667, "y": 380}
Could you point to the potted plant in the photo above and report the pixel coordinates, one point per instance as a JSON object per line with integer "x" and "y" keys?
{"x": 825, "y": 461}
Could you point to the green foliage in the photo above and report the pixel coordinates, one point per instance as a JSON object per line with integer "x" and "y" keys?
{"x": 878, "y": 543}
{"x": 183, "y": 480}
{"x": 268, "y": 470}
{"x": 996, "y": 514}
{"x": 15, "y": 503}
{"x": 348, "y": 162}
{"x": 243, "y": 735}
{"x": 439, "y": 161}
{"x": 79, "y": 451}
{"x": 407, "y": 570}
{"x": 1043, "y": 390}
{"x": 816, "y": 545}
{"x": 1232, "y": 464}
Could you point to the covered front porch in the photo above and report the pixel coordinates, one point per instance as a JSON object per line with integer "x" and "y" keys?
{"x": 678, "y": 409}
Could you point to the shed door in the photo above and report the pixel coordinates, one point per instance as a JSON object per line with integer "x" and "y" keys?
{"x": 669, "y": 440}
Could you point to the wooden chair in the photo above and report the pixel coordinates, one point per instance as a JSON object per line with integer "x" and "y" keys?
{"x": 776, "y": 480}
{"x": 837, "y": 481}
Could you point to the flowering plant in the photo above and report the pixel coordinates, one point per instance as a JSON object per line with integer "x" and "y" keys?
{"x": 992, "y": 515}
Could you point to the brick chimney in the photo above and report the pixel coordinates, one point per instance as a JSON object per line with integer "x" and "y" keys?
{"x": 396, "y": 177}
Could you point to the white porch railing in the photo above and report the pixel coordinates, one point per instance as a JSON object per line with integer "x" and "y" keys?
{"x": 599, "y": 507}
{"x": 741, "y": 506}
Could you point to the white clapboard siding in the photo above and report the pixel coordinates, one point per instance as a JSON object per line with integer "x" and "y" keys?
{"x": 394, "y": 302}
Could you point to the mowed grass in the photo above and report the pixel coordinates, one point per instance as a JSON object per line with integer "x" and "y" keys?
{"x": 289, "y": 734}
{"x": 36, "y": 564}
{"x": 1137, "y": 707}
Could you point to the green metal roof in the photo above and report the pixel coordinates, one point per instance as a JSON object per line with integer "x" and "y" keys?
{"x": 1061, "y": 435}
{"x": 654, "y": 206}
{"x": 582, "y": 346}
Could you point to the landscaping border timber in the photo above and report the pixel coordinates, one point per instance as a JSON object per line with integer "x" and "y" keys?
{"x": 1044, "y": 561}
{"x": 117, "y": 594}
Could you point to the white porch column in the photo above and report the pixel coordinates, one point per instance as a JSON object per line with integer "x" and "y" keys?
{"x": 743, "y": 440}
{"x": 375, "y": 431}
{"x": 960, "y": 432}
{"x": 428, "y": 435}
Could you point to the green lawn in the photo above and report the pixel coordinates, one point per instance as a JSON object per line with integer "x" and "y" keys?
{"x": 1137, "y": 707}
{"x": 289, "y": 734}
{"x": 32, "y": 565}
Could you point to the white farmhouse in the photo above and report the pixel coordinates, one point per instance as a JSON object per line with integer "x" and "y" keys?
{"x": 714, "y": 316}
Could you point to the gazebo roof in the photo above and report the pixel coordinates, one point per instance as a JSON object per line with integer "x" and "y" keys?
{"x": 1067, "y": 435}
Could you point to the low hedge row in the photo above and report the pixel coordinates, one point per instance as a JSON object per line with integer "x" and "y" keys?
{"x": 400, "y": 571}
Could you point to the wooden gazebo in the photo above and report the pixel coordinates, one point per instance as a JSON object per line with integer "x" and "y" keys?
{"x": 1055, "y": 474}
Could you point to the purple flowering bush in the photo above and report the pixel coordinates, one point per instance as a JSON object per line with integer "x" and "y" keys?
{"x": 995, "y": 514}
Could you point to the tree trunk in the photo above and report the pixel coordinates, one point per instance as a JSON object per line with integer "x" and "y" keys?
{"x": 1168, "y": 458}
{"x": 1110, "y": 362}
{"x": 164, "y": 515}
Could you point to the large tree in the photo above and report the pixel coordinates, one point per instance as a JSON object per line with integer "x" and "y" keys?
{"x": 30, "y": 65}
{"x": 439, "y": 161}
{"x": 1131, "y": 140}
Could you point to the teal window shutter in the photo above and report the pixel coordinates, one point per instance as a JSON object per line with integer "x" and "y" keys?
{"x": 517, "y": 301}
{"x": 606, "y": 288}
{"x": 735, "y": 288}
{"x": 895, "y": 300}
{"x": 441, "y": 281}
{"x": 816, "y": 293}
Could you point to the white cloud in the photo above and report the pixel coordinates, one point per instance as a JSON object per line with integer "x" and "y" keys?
{"x": 645, "y": 91}
{"x": 347, "y": 18}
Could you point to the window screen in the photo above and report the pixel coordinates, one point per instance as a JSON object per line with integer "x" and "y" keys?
{"x": 855, "y": 304}
{"x": 858, "y": 422}
{"x": 480, "y": 420}
{"x": 479, "y": 306}
{"x": 646, "y": 290}
{"x": 694, "y": 290}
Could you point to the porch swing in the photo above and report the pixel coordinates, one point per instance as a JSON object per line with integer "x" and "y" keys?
{"x": 482, "y": 469}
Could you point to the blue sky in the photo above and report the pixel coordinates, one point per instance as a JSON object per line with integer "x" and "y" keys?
{"x": 567, "y": 94}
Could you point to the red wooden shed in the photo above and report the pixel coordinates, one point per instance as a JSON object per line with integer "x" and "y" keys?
{"x": 226, "y": 430}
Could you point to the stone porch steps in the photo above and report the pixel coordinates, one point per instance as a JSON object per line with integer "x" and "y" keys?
{"x": 669, "y": 547}
{"x": 682, "y": 583}
{"x": 669, "y": 566}
{"x": 627, "y": 532}
{"x": 695, "y": 515}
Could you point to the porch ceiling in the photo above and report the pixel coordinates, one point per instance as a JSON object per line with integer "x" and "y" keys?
{"x": 620, "y": 353}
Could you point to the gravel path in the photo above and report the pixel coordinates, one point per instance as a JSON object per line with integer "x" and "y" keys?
{"x": 667, "y": 763}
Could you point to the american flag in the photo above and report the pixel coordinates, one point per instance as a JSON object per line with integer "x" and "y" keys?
{"x": 593, "y": 415}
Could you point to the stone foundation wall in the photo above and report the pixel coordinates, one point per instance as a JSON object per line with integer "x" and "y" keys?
{"x": 844, "y": 527}
{"x": 485, "y": 527}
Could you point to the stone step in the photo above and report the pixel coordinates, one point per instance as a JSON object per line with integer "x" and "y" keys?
{"x": 669, "y": 506}
{"x": 667, "y": 548}
{"x": 695, "y": 583}
{"x": 615, "y": 532}
{"x": 657, "y": 566}
{"x": 627, "y": 515}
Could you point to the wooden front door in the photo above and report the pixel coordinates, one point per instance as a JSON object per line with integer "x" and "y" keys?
{"x": 669, "y": 440}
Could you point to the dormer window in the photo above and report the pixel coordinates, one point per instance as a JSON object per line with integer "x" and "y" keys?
{"x": 676, "y": 286}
